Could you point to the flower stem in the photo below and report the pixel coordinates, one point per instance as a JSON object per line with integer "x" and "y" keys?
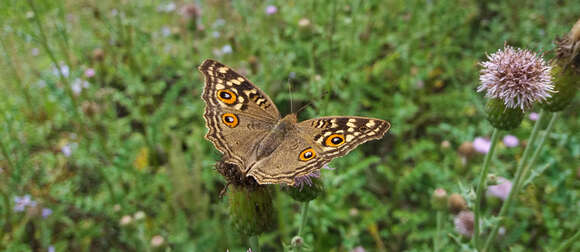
{"x": 515, "y": 189}
{"x": 254, "y": 243}
{"x": 304, "y": 217}
{"x": 481, "y": 185}
{"x": 566, "y": 244}
{"x": 539, "y": 148}
{"x": 436, "y": 239}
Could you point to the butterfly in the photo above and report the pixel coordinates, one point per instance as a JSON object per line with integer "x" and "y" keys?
{"x": 246, "y": 127}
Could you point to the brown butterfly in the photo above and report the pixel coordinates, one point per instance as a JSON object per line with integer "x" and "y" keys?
{"x": 245, "y": 125}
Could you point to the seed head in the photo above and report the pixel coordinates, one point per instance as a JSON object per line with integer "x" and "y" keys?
{"x": 518, "y": 77}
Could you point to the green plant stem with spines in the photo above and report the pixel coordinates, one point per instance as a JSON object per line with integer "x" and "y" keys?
{"x": 566, "y": 244}
{"x": 518, "y": 177}
{"x": 539, "y": 148}
{"x": 44, "y": 43}
{"x": 481, "y": 186}
{"x": 303, "y": 220}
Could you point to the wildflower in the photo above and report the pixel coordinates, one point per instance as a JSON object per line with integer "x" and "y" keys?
{"x": 306, "y": 188}
{"x": 139, "y": 215}
{"x": 306, "y": 179}
{"x": 157, "y": 241}
{"x": 534, "y": 116}
{"x": 46, "y": 212}
{"x": 481, "y": 145}
{"x": 439, "y": 199}
{"x": 304, "y": 22}
{"x": 51, "y": 248}
{"x": 501, "y": 190}
{"x": 466, "y": 149}
{"x": 165, "y": 31}
{"x": 62, "y": 69}
{"x": 126, "y": 220}
{"x": 21, "y": 203}
{"x": 89, "y": 72}
{"x": 456, "y": 203}
{"x": 67, "y": 149}
{"x": 464, "y": 223}
{"x": 190, "y": 11}
{"x": 34, "y": 51}
{"x": 358, "y": 249}
{"x": 517, "y": 77}
{"x": 227, "y": 49}
{"x": 78, "y": 85}
{"x": 445, "y": 144}
{"x": 510, "y": 141}
{"x": 271, "y": 10}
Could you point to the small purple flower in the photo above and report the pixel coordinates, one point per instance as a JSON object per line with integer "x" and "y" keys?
{"x": 271, "y": 10}
{"x": 358, "y": 249}
{"x": 21, "y": 203}
{"x": 534, "y": 116}
{"x": 501, "y": 190}
{"x": 35, "y": 51}
{"x": 89, "y": 73}
{"x": 62, "y": 69}
{"x": 510, "y": 141}
{"x": 46, "y": 212}
{"x": 227, "y": 49}
{"x": 51, "y": 248}
{"x": 481, "y": 145}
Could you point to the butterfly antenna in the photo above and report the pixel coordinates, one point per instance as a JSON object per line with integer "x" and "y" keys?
{"x": 309, "y": 103}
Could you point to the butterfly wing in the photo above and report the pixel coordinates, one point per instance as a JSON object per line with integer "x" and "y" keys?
{"x": 325, "y": 138}
{"x": 237, "y": 113}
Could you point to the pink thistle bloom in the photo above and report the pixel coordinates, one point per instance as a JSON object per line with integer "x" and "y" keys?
{"x": 481, "y": 145}
{"x": 510, "y": 141}
{"x": 306, "y": 179}
{"x": 534, "y": 116}
{"x": 271, "y": 10}
{"x": 89, "y": 73}
{"x": 501, "y": 190}
{"x": 517, "y": 76}
{"x": 464, "y": 223}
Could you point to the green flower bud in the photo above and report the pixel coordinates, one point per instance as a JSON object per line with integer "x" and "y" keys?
{"x": 566, "y": 81}
{"x": 251, "y": 209}
{"x": 305, "y": 192}
{"x": 502, "y": 117}
{"x": 439, "y": 199}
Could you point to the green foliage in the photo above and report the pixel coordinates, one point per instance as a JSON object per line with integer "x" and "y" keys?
{"x": 98, "y": 148}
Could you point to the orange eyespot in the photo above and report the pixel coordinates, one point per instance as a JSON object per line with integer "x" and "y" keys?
{"x": 307, "y": 154}
{"x": 334, "y": 140}
{"x": 226, "y": 96}
{"x": 230, "y": 120}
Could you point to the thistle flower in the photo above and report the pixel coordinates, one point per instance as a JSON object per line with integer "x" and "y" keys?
{"x": 464, "y": 223}
{"x": 271, "y": 10}
{"x": 306, "y": 188}
{"x": 500, "y": 190}
{"x": 481, "y": 145}
{"x": 157, "y": 241}
{"x": 518, "y": 77}
{"x": 534, "y": 116}
{"x": 510, "y": 141}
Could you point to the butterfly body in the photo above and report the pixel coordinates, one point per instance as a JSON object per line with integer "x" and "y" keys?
{"x": 245, "y": 125}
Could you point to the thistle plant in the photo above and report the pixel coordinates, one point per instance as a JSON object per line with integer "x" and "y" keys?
{"x": 513, "y": 80}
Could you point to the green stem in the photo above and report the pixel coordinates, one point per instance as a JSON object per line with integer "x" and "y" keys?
{"x": 566, "y": 244}
{"x": 254, "y": 243}
{"x": 539, "y": 148}
{"x": 481, "y": 186}
{"x": 518, "y": 177}
{"x": 304, "y": 217}
{"x": 437, "y": 238}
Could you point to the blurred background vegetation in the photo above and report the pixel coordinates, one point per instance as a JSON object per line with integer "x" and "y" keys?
{"x": 102, "y": 130}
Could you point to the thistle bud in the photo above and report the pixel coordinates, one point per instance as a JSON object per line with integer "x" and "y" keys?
{"x": 456, "y": 203}
{"x": 502, "y": 117}
{"x": 566, "y": 82}
{"x": 251, "y": 209}
{"x": 439, "y": 199}
{"x": 464, "y": 223}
